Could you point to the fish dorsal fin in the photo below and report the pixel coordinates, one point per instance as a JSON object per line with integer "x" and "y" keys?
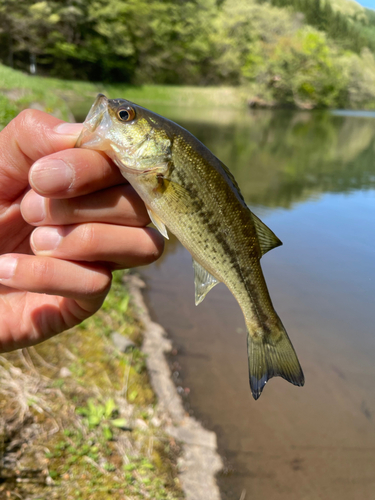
{"x": 230, "y": 177}
{"x": 203, "y": 281}
{"x": 157, "y": 222}
{"x": 267, "y": 239}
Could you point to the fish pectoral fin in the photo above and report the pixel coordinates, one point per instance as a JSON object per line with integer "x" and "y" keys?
{"x": 175, "y": 192}
{"x": 157, "y": 222}
{"x": 267, "y": 238}
{"x": 203, "y": 281}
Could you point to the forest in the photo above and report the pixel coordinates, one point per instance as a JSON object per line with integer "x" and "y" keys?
{"x": 303, "y": 53}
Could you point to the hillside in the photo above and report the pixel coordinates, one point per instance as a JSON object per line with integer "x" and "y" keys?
{"x": 295, "y": 53}
{"x": 347, "y": 7}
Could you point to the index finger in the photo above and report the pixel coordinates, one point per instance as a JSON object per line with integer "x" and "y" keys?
{"x": 73, "y": 172}
{"x": 31, "y": 135}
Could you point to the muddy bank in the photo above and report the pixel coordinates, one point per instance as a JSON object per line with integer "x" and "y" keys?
{"x": 199, "y": 462}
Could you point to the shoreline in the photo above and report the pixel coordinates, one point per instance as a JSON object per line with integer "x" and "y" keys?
{"x": 200, "y": 461}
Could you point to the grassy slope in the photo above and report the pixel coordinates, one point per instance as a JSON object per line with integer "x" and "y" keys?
{"x": 19, "y": 91}
{"x": 78, "y": 419}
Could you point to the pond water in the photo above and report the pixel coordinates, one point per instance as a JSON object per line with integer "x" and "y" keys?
{"x": 311, "y": 178}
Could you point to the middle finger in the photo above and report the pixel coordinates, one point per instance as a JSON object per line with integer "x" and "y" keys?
{"x": 116, "y": 205}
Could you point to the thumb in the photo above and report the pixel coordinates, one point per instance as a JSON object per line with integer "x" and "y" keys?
{"x": 30, "y": 136}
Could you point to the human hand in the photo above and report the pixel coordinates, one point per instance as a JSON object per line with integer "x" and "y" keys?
{"x": 89, "y": 221}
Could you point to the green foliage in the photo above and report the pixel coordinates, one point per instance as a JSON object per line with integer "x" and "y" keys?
{"x": 359, "y": 71}
{"x": 102, "y": 415}
{"x": 160, "y": 41}
{"x": 350, "y": 25}
{"x": 242, "y": 32}
{"x": 269, "y": 50}
{"x": 304, "y": 71}
{"x": 129, "y": 40}
{"x": 304, "y": 53}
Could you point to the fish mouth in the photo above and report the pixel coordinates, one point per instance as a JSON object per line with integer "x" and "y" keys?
{"x": 96, "y": 134}
{"x": 95, "y": 125}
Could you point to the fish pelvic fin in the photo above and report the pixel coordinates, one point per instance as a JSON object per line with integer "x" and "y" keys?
{"x": 157, "y": 222}
{"x": 271, "y": 354}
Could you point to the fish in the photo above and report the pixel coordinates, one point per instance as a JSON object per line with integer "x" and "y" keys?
{"x": 188, "y": 191}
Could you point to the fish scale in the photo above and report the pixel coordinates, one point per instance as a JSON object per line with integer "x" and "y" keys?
{"x": 192, "y": 193}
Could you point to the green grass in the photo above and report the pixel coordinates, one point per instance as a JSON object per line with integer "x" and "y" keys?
{"x": 18, "y": 91}
{"x": 86, "y": 416}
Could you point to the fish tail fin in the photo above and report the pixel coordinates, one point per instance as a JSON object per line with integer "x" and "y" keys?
{"x": 271, "y": 354}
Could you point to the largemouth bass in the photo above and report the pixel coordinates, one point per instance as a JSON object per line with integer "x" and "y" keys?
{"x": 192, "y": 193}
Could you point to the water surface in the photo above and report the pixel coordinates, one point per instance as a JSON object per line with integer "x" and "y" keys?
{"x": 311, "y": 178}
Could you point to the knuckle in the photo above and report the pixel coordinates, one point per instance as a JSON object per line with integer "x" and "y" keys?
{"x": 27, "y": 119}
{"x": 97, "y": 284}
{"x": 43, "y": 270}
{"x": 88, "y": 237}
{"x": 30, "y": 122}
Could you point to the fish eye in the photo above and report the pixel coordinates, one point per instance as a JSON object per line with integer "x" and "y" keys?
{"x": 126, "y": 114}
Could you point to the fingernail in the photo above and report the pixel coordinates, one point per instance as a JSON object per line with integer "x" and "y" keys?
{"x": 33, "y": 207}
{"x": 51, "y": 176}
{"x": 7, "y": 267}
{"x": 44, "y": 239}
{"x": 69, "y": 128}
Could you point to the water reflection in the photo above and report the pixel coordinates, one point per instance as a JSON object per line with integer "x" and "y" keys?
{"x": 311, "y": 178}
{"x": 279, "y": 158}
{"x": 283, "y": 157}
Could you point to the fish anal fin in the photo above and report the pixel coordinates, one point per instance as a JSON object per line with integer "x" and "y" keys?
{"x": 157, "y": 222}
{"x": 267, "y": 238}
{"x": 204, "y": 282}
{"x": 272, "y": 355}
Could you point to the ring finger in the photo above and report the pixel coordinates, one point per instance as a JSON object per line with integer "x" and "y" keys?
{"x": 116, "y": 205}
